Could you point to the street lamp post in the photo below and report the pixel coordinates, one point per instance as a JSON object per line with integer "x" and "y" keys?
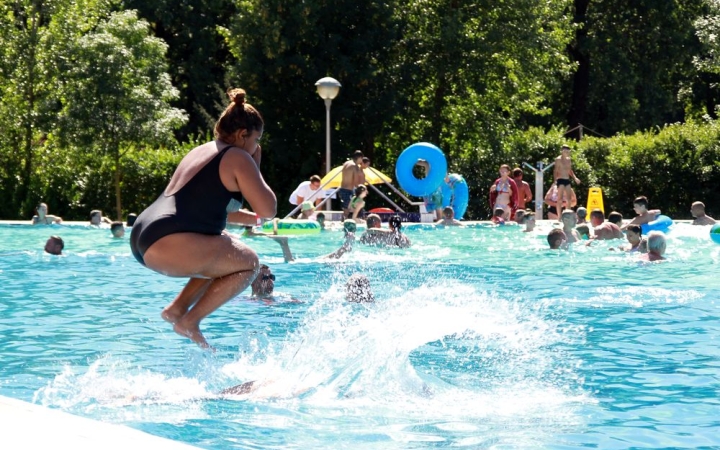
{"x": 327, "y": 89}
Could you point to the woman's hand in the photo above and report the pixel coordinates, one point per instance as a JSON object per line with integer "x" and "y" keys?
{"x": 257, "y": 156}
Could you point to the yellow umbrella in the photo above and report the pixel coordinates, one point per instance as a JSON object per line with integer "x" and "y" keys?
{"x": 372, "y": 176}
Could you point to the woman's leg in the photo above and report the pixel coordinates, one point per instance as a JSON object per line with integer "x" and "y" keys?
{"x": 190, "y": 294}
{"x": 227, "y": 265}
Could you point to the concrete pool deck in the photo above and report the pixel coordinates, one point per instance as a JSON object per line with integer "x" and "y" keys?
{"x": 26, "y": 425}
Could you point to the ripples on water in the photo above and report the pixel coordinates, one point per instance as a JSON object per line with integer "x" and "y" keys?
{"x": 480, "y": 338}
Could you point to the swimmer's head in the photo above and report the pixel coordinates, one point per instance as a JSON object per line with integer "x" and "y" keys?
{"x": 373, "y": 221}
{"x": 54, "y": 245}
{"x": 582, "y": 213}
{"x": 349, "y": 226}
{"x": 357, "y": 289}
{"x": 117, "y": 229}
{"x": 395, "y": 223}
{"x": 656, "y": 242}
{"x": 633, "y": 234}
{"x": 556, "y": 238}
{"x": 264, "y": 283}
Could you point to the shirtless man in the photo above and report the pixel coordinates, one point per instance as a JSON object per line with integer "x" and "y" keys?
{"x": 656, "y": 246}
{"x": 448, "y": 218}
{"x": 352, "y": 176}
{"x": 562, "y": 173}
{"x": 524, "y": 188}
{"x": 644, "y": 215}
{"x": 604, "y": 230}
{"x": 698, "y": 212}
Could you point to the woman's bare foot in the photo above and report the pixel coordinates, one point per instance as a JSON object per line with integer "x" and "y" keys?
{"x": 171, "y": 314}
{"x": 193, "y": 333}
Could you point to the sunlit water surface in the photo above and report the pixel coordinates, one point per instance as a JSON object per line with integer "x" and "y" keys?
{"x": 480, "y": 338}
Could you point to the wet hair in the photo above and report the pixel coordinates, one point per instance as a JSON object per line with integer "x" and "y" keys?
{"x": 237, "y": 116}
{"x": 583, "y": 230}
{"x": 615, "y": 217}
{"x": 130, "y": 221}
{"x": 95, "y": 212}
{"x": 519, "y": 215}
{"x": 448, "y": 211}
{"x": 372, "y": 219}
{"x": 498, "y": 212}
{"x": 357, "y": 289}
{"x": 656, "y": 242}
{"x": 581, "y": 212}
{"x": 359, "y": 190}
{"x": 395, "y": 222}
{"x": 59, "y": 241}
{"x": 517, "y": 172}
{"x": 637, "y": 229}
{"x": 554, "y": 237}
{"x": 315, "y": 179}
{"x": 349, "y": 226}
{"x": 597, "y": 212}
{"x": 529, "y": 215}
{"x": 642, "y": 200}
{"x": 357, "y": 154}
{"x": 366, "y": 160}
{"x": 115, "y": 225}
{"x": 567, "y": 212}
{"x": 320, "y": 216}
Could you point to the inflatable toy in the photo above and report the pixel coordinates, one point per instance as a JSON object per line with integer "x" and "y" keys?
{"x": 715, "y": 233}
{"x": 407, "y": 160}
{"x": 661, "y": 223}
{"x": 455, "y": 193}
{"x": 293, "y": 226}
{"x": 381, "y": 211}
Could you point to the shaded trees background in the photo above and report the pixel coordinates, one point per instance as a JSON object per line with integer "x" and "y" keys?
{"x": 489, "y": 82}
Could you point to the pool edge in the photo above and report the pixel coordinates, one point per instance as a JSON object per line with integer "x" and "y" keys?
{"x": 26, "y": 425}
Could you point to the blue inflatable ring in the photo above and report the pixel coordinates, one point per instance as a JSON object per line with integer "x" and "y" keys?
{"x": 457, "y": 195}
{"x": 407, "y": 160}
{"x": 661, "y": 223}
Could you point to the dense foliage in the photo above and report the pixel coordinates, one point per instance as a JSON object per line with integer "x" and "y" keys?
{"x": 99, "y": 99}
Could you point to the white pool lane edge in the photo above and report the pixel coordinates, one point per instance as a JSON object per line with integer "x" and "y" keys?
{"x": 29, "y": 426}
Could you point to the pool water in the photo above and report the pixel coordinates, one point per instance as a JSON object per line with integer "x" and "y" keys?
{"x": 480, "y": 338}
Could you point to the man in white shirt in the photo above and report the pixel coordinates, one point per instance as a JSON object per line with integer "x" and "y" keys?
{"x": 306, "y": 189}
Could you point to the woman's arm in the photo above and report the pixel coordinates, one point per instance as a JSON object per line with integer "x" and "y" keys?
{"x": 243, "y": 217}
{"x": 239, "y": 172}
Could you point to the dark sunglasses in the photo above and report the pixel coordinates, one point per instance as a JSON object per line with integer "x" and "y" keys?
{"x": 268, "y": 277}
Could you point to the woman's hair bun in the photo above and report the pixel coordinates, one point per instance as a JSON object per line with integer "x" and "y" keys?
{"x": 237, "y": 95}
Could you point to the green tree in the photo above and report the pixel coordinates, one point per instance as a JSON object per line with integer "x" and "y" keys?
{"x": 117, "y": 94}
{"x": 634, "y": 59}
{"x": 283, "y": 48}
{"x": 27, "y": 80}
{"x": 197, "y": 52}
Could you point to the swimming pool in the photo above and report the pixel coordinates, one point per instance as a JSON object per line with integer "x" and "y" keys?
{"x": 480, "y": 338}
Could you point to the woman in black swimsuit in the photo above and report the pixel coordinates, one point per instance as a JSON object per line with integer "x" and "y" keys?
{"x": 182, "y": 233}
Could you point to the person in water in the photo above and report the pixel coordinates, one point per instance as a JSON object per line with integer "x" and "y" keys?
{"x": 182, "y": 234}
{"x": 43, "y": 218}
